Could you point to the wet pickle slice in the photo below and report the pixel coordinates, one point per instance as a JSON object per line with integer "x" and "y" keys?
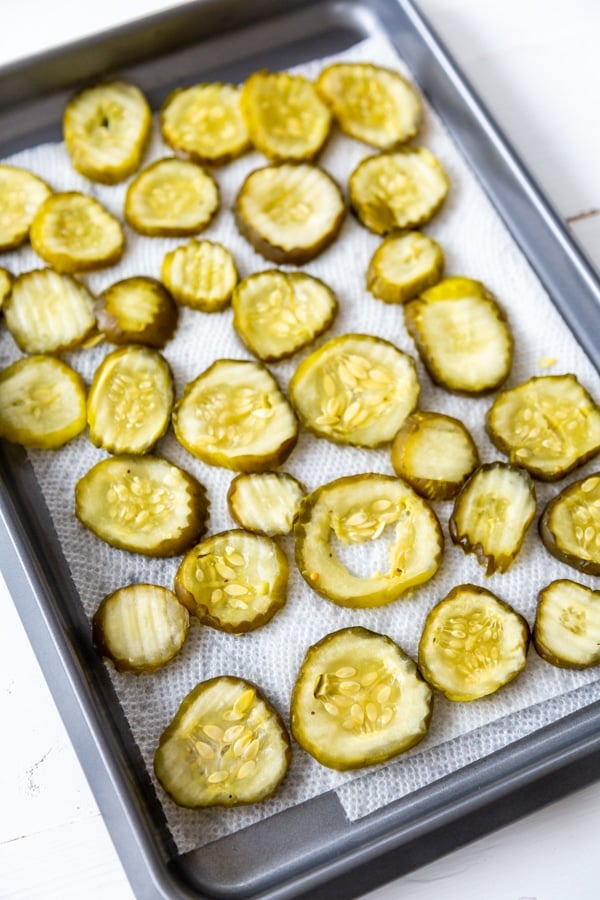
{"x": 137, "y": 310}
{"x": 106, "y": 129}
{"x": 404, "y": 264}
{"x": 206, "y": 122}
{"x": 265, "y": 502}
{"x": 355, "y": 389}
{"x": 171, "y": 197}
{"x": 371, "y": 103}
{"x": 570, "y": 525}
{"x": 6, "y": 283}
{"x": 359, "y": 700}
{"x": 549, "y": 425}
{"x": 462, "y": 336}
{"x": 226, "y": 746}
{"x": 143, "y": 504}
{"x": 435, "y": 454}
{"x": 22, "y": 194}
{"x": 234, "y": 415}
{"x": 363, "y": 540}
{"x": 289, "y": 212}
{"x": 42, "y": 402}
{"x": 286, "y": 118}
{"x": 140, "y": 627}
{"x": 403, "y": 189}
{"x": 472, "y": 644}
{"x": 201, "y": 275}
{"x": 234, "y": 581}
{"x": 492, "y": 513}
{"x": 74, "y": 233}
{"x": 277, "y": 313}
{"x": 130, "y": 400}
{"x": 566, "y": 632}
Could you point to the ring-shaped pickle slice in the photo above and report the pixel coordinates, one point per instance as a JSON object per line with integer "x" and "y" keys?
{"x": 363, "y": 540}
{"x": 201, "y": 275}
{"x": 566, "y": 632}
{"x": 404, "y": 264}
{"x": 6, "y": 283}
{"x": 206, "y": 122}
{"x": 359, "y": 699}
{"x": 265, "y": 502}
{"x": 22, "y": 194}
{"x": 570, "y": 525}
{"x": 137, "y": 310}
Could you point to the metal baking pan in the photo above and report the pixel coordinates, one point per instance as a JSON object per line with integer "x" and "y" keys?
{"x": 285, "y": 855}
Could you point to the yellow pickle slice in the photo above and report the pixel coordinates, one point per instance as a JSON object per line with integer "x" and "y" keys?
{"x": 22, "y": 194}
{"x": 6, "y": 283}
{"x": 265, "y": 502}
{"x": 359, "y": 699}
{"x": 226, "y": 746}
{"x": 201, "y": 275}
{"x": 206, "y": 122}
{"x": 566, "y": 632}
{"x": 404, "y": 264}
{"x": 234, "y": 581}
{"x": 364, "y": 540}
{"x": 570, "y": 525}
{"x": 137, "y": 310}
{"x": 355, "y": 389}
{"x": 140, "y": 628}
{"x": 472, "y": 644}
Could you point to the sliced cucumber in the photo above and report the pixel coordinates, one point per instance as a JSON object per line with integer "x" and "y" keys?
{"x": 22, "y": 195}
{"x": 570, "y": 525}
{"x": 404, "y": 264}
{"x": 567, "y": 625}
{"x": 201, "y": 275}
{"x": 137, "y": 310}
{"x": 206, "y": 122}
{"x": 265, "y": 502}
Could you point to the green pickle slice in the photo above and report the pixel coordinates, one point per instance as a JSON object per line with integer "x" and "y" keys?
{"x": 566, "y": 632}
{"x": 570, "y": 525}
{"x": 404, "y": 264}
{"x": 6, "y": 283}
{"x": 206, "y": 122}
{"x": 358, "y": 700}
{"x": 201, "y": 275}
{"x": 265, "y": 502}
{"x": 22, "y": 195}
{"x": 137, "y": 310}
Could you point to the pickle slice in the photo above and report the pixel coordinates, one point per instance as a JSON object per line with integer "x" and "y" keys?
{"x": 277, "y": 313}
{"x": 359, "y": 700}
{"x": 462, "y": 336}
{"x": 289, "y": 212}
{"x": 234, "y": 581}
{"x": 137, "y": 310}
{"x": 435, "y": 454}
{"x": 492, "y": 513}
{"x": 404, "y": 264}
{"x": 171, "y": 197}
{"x": 143, "y": 504}
{"x": 567, "y": 625}
{"x": 226, "y": 746}
{"x": 286, "y": 118}
{"x": 74, "y": 233}
{"x": 403, "y": 189}
{"x": 265, "y": 502}
{"x": 234, "y": 415}
{"x": 355, "y": 389}
{"x": 206, "y": 122}
{"x": 22, "y": 194}
{"x": 338, "y": 548}
{"x": 130, "y": 400}
{"x": 47, "y": 312}
{"x": 472, "y": 644}
{"x": 570, "y": 525}
{"x": 106, "y": 130}
{"x": 201, "y": 275}
{"x": 6, "y": 283}
{"x": 371, "y": 103}
{"x": 140, "y": 627}
{"x": 549, "y": 425}
{"x": 42, "y": 402}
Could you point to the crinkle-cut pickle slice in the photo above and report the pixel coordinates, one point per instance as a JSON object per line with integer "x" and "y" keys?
{"x": 234, "y": 581}
{"x": 570, "y": 525}
{"x": 549, "y": 425}
{"x": 277, "y": 313}
{"x": 435, "y": 454}
{"x": 371, "y": 103}
{"x": 566, "y": 632}
{"x": 289, "y": 212}
{"x": 6, "y": 283}
{"x": 171, "y": 197}
{"x": 226, "y": 746}
{"x": 234, "y": 415}
{"x": 42, "y": 402}
{"x": 201, "y": 275}
{"x": 355, "y": 389}
{"x": 359, "y": 700}
{"x": 403, "y": 189}
{"x": 363, "y": 540}
{"x": 462, "y": 336}
{"x": 265, "y": 502}
{"x": 492, "y": 513}
{"x": 130, "y": 400}
{"x": 73, "y": 232}
{"x": 137, "y": 310}
{"x": 404, "y": 264}
{"x": 21, "y": 194}
{"x": 286, "y": 118}
{"x": 472, "y": 644}
{"x": 107, "y": 128}
{"x": 47, "y": 312}
{"x": 143, "y": 504}
{"x": 141, "y": 627}
{"x": 206, "y": 122}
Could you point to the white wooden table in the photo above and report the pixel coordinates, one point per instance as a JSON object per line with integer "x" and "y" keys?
{"x": 536, "y": 64}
